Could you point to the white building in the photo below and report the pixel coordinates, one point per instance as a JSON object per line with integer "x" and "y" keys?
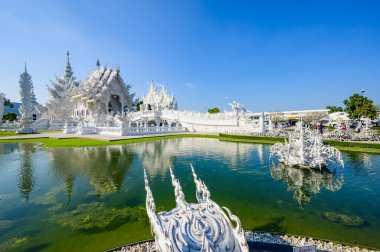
{"x": 154, "y": 100}
{"x": 103, "y": 92}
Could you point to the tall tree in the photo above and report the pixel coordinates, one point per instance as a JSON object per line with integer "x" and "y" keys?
{"x": 358, "y": 106}
{"x": 334, "y": 109}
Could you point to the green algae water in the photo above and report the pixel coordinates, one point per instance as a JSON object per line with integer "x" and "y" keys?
{"x": 93, "y": 199}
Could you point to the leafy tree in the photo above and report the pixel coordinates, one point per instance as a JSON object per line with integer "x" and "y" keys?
{"x": 334, "y": 109}
{"x": 358, "y": 106}
{"x": 8, "y": 103}
{"x": 214, "y": 110}
{"x": 9, "y": 116}
{"x": 138, "y": 105}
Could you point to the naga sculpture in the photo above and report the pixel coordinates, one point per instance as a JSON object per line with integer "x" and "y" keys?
{"x": 194, "y": 227}
{"x": 305, "y": 148}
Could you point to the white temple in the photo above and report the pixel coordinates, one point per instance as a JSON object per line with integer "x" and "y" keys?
{"x": 104, "y": 104}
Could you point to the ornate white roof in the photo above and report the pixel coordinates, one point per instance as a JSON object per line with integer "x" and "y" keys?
{"x": 158, "y": 100}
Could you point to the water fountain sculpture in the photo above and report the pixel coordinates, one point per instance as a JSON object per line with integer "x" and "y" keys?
{"x": 305, "y": 148}
{"x": 194, "y": 227}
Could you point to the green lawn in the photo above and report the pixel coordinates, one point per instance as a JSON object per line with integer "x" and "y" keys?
{"x": 12, "y": 133}
{"x": 7, "y": 133}
{"x": 83, "y": 142}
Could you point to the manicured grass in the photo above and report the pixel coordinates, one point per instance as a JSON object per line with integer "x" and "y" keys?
{"x": 7, "y": 133}
{"x": 369, "y": 150}
{"x": 13, "y": 133}
{"x": 84, "y": 142}
{"x": 253, "y": 139}
{"x": 241, "y": 140}
{"x": 347, "y": 144}
{"x": 344, "y": 146}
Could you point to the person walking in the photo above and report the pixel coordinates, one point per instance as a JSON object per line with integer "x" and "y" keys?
{"x": 320, "y": 128}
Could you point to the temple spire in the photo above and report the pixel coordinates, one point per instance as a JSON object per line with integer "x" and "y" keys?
{"x": 97, "y": 63}
{"x": 68, "y": 71}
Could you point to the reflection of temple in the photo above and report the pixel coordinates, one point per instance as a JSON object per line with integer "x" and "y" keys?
{"x": 26, "y": 178}
{"x": 104, "y": 167}
{"x": 306, "y": 183}
{"x": 158, "y": 155}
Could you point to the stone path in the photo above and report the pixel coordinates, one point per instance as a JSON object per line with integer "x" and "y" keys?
{"x": 58, "y": 135}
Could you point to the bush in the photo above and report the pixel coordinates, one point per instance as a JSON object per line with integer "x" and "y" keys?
{"x": 352, "y": 144}
{"x": 214, "y": 110}
{"x": 260, "y": 138}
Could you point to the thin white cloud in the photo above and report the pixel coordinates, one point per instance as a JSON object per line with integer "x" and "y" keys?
{"x": 189, "y": 85}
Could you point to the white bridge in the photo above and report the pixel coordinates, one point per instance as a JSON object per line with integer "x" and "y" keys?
{"x": 164, "y": 121}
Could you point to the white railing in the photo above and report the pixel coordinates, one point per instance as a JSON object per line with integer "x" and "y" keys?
{"x": 122, "y": 131}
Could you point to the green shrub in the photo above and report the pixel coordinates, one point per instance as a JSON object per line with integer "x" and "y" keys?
{"x": 352, "y": 144}
{"x": 253, "y": 138}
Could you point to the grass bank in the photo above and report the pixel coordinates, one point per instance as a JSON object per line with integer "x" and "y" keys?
{"x": 251, "y": 139}
{"x": 13, "y": 133}
{"x": 344, "y": 146}
{"x": 85, "y": 142}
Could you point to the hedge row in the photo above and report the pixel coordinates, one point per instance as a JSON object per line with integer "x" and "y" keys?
{"x": 271, "y": 139}
{"x": 352, "y": 144}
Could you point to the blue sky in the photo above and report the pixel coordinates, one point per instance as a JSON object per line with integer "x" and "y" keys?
{"x": 268, "y": 55}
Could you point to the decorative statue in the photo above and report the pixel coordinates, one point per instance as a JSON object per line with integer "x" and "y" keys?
{"x": 238, "y": 108}
{"x": 305, "y": 148}
{"x": 194, "y": 227}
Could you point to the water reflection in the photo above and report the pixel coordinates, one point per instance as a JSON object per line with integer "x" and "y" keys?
{"x": 306, "y": 183}
{"x": 362, "y": 163}
{"x": 104, "y": 167}
{"x": 26, "y": 178}
{"x": 158, "y": 155}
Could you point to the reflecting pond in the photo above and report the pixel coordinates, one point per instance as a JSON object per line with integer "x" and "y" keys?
{"x": 92, "y": 199}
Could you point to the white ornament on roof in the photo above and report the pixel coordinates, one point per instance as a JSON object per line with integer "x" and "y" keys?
{"x": 194, "y": 227}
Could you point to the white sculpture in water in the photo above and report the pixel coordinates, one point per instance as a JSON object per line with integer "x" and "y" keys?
{"x": 194, "y": 227}
{"x": 305, "y": 148}
{"x": 27, "y": 99}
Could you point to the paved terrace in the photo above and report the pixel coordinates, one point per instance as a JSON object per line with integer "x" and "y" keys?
{"x": 59, "y": 135}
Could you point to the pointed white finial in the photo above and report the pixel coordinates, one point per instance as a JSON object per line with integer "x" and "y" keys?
{"x": 179, "y": 195}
